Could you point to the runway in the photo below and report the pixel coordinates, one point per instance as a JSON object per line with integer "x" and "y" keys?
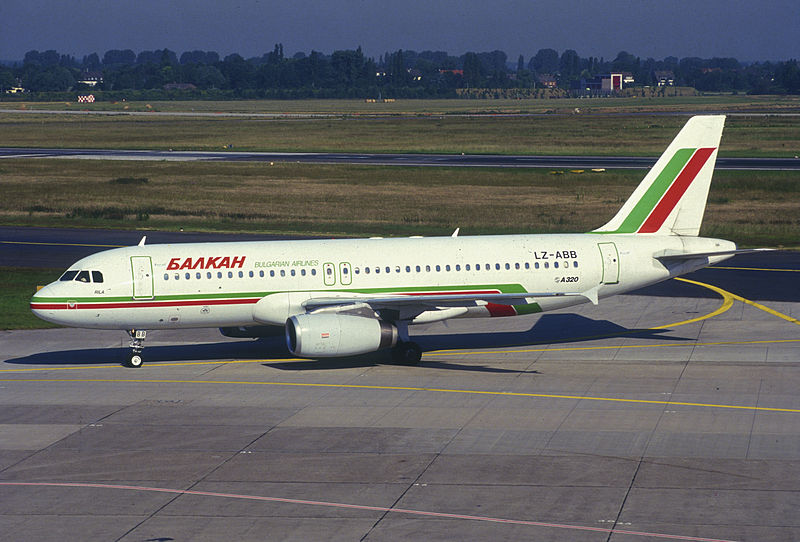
{"x": 671, "y": 414}
{"x": 418, "y": 160}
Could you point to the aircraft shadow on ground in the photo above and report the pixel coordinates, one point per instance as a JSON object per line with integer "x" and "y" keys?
{"x": 548, "y": 329}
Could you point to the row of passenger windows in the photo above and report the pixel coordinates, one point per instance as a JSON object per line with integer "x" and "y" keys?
{"x": 82, "y": 276}
{"x": 466, "y": 267}
{"x": 377, "y": 270}
{"x": 241, "y": 274}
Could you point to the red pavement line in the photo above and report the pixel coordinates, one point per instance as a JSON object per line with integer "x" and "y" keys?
{"x": 365, "y": 507}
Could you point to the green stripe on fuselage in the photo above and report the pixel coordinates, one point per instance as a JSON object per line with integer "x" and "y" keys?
{"x": 645, "y": 205}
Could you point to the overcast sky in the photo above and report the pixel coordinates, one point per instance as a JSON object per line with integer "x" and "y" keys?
{"x": 745, "y": 29}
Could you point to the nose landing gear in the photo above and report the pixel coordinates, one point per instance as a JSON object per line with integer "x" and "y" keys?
{"x": 137, "y": 336}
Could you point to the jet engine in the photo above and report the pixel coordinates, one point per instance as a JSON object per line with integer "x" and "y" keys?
{"x": 332, "y": 335}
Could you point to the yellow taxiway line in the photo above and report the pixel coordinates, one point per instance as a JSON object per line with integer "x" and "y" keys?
{"x": 403, "y": 388}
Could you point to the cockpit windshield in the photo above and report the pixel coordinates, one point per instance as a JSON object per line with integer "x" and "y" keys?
{"x": 69, "y": 275}
{"x": 82, "y": 276}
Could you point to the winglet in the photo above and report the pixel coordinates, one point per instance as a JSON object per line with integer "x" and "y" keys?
{"x": 591, "y": 294}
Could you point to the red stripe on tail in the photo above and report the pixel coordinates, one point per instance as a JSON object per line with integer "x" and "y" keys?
{"x": 676, "y": 191}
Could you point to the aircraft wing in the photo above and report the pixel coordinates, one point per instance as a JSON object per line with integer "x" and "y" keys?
{"x": 432, "y": 301}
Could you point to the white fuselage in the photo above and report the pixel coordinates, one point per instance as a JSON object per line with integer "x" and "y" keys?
{"x": 220, "y": 284}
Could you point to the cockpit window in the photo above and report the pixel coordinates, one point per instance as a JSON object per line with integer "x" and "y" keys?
{"x": 83, "y": 276}
{"x": 69, "y": 275}
{"x": 97, "y": 276}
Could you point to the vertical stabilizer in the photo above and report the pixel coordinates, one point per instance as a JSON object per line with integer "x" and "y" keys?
{"x": 672, "y": 197}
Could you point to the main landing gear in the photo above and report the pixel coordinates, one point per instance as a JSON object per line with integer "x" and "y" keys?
{"x": 137, "y": 336}
{"x": 406, "y": 353}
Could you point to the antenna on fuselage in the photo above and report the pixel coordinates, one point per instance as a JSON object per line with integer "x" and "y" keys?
{"x": 141, "y": 243}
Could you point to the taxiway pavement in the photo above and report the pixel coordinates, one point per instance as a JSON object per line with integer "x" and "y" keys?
{"x": 647, "y": 416}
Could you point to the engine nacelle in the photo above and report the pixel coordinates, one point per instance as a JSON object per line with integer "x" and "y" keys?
{"x": 332, "y": 335}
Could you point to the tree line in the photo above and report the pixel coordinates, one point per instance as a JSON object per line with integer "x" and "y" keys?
{"x": 351, "y": 74}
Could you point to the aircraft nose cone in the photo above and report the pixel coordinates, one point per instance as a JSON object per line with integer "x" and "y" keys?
{"x": 45, "y": 306}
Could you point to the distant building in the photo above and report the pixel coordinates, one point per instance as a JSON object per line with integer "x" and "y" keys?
{"x": 179, "y": 86}
{"x": 664, "y": 78}
{"x": 91, "y": 79}
{"x": 547, "y": 80}
{"x": 454, "y": 72}
{"x": 611, "y": 82}
{"x": 627, "y": 79}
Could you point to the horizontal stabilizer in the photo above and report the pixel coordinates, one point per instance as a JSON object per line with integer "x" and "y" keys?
{"x": 682, "y": 256}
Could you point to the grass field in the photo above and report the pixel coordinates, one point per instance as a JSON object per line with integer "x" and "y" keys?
{"x": 751, "y": 208}
{"x": 17, "y": 285}
{"x": 572, "y": 134}
{"x": 633, "y": 104}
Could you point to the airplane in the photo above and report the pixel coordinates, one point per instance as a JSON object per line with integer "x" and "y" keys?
{"x": 344, "y": 297}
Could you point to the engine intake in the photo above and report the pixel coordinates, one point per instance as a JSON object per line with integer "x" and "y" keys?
{"x": 333, "y": 335}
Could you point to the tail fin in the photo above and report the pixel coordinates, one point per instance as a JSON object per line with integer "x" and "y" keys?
{"x": 671, "y": 199}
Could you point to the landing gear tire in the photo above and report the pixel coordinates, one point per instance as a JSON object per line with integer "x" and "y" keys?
{"x": 134, "y": 360}
{"x": 407, "y": 353}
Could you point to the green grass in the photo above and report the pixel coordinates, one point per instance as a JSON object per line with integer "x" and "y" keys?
{"x": 751, "y": 208}
{"x": 17, "y": 285}
{"x": 577, "y": 134}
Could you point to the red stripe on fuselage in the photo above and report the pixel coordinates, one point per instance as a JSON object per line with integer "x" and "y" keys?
{"x": 676, "y": 190}
{"x": 140, "y": 304}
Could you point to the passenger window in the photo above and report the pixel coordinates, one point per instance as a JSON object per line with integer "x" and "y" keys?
{"x": 516, "y": 266}
{"x": 97, "y": 276}
{"x": 313, "y": 272}
{"x": 250, "y": 274}
{"x": 447, "y": 268}
{"x": 418, "y": 268}
{"x": 555, "y": 264}
{"x": 208, "y": 275}
{"x": 527, "y": 265}
{"x": 283, "y": 272}
{"x": 198, "y": 275}
{"x": 344, "y": 271}
{"x": 261, "y": 274}
{"x": 366, "y": 270}
{"x": 575, "y": 263}
{"x": 547, "y": 265}
{"x": 408, "y": 269}
{"x": 272, "y": 273}
{"x": 497, "y": 266}
{"x": 241, "y": 274}
{"x": 292, "y": 272}
{"x": 536, "y": 265}
{"x": 438, "y": 268}
{"x": 188, "y": 276}
{"x": 69, "y": 275}
{"x": 377, "y": 269}
{"x": 230, "y": 274}
{"x": 303, "y": 272}
{"x": 466, "y": 267}
{"x": 566, "y": 264}
{"x": 397, "y": 269}
{"x": 428, "y": 268}
{"x": 356, "y": 271}
{"x": 458, "y": 267}
{"x": 477, "y": 267}
{"x": 177, "y": 276}
{"x": 166, "y": 276}
{"x": 329, "y": 271}
{"x": 219, "y": 274}
{"x": 508, "y": 267}
{"x": 388, "y": 269}
{"x": 83, "y": 276}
